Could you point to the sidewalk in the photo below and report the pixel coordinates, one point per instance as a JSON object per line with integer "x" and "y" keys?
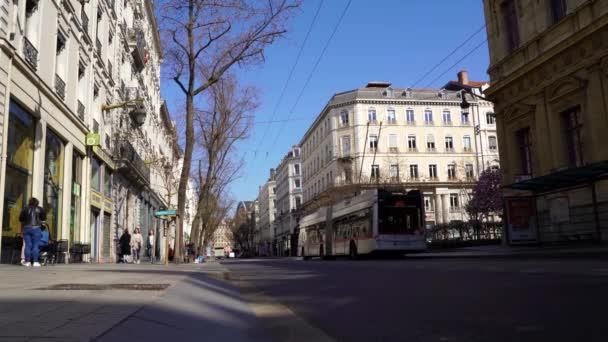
{"x": 113, "y": 307}
{"x": 499, "y": 251}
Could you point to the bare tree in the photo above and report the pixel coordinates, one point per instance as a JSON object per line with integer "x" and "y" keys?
{"x": 202, "y": 40}
{"x": 220, "y": 127}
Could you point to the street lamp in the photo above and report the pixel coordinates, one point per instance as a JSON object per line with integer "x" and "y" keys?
{"x": 138, "y": 110}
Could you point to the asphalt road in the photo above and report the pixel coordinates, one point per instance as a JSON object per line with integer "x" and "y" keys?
{"x": 440, "y": 299}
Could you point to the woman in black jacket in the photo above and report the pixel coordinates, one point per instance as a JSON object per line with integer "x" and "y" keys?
{"x": 31, "y": 219}
{"x": 125, "y": 245}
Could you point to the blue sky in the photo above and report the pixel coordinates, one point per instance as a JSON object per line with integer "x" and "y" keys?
{"x": 388, "y": 40}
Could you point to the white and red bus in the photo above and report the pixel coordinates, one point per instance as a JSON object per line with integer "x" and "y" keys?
{"x": 373, "y": 221}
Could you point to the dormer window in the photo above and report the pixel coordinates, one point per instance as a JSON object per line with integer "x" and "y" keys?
{"x": 388, "y": 92}
{"x": 408, "y": 93}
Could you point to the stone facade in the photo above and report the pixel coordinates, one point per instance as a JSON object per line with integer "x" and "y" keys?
{"x": 384, "y": 135}
{"x": 549, "y": 82}
{"x": 289, "y": 200}
{"x": 61, "y": 63}
{"x": 265, "y": 227}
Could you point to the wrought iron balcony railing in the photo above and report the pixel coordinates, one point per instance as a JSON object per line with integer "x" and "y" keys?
{"x": 85, "y": 21}
{"x": 59, "y": 87}
{"x": 30, "y": 53}
{"x": 137, "y": 43}
{"x": 80, "y": 110}
{"x": 98, "y": 46}
{"x": 130, "y": 163}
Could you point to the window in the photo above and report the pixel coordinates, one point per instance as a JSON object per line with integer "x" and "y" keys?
{"x": 297, "y": 183}
{"x": 428, "y": 204}
{"x": 344, "y": 118}
{"x": 454, "y": 203}
{"x": 107, "y": 183}
{"x": 409, "y": 116}
{"x": 449, "y": 143}
{"x": 430, "y": 143}
{"x": 414, "y": 171}
{"x": 451, "y": 171}
{"x": 447, "y": 117}
{"x": 296, "y": 152}
{"x": 373, "y": 142}
{"x": 394, "y": 171}
{"x": 95, "y": 176}
{"x": 348, "y": 175}
{"x": 375, "y": 172}
{"x": 391, "y": 116}
{"x": 411, "y": 142}
{"x": 559, "y": 9}
{"x": 433, "y": 171}
{"x": 509, "y": 16}
{"x": 493, "y": 145}
{"x": 428, "y": 116}
{"x": 464, "y": 117}
{"x": 573, "y": 126}
{"x": 490, "y": 118}
{"x": 525, "y": 150}
{"x": 466, "y": 142}
{"x": 298, "y": 202}
{"x": 393, "y": 144}
{"x": 296, "y": 169}
{"x": 469, "y": 171}
{"x": 371, "y": 115}
{"x": 345, "y": 145}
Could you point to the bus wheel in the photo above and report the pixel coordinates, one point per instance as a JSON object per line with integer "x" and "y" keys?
{"x": 352, "y": 251}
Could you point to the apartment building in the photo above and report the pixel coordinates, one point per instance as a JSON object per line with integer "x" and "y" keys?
{"x": 549, "y": 80}
{"x": 289, "y": 200}
{"x": 82, "y": 124}
{"x": 265, "y": 227}
{"x": 379, "y": 134}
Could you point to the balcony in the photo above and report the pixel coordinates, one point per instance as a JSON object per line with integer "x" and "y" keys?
{"x": 84, "y": 19}
{"x": 447, "y": 122}
{"x": 130, "y": 163}
{"x": 98, "y": 46}
{"x": 412, "y": 149}
{"x": 449, "y": 150}
{"x": 429, "y": 123}
{"x": 392, "y": 121}
{"x": 80, "y": 110}
{"x": 411, "y": 122}
{"x": 59, "y": 87}
{"x": 468, "y": 149}
{"x": 30, "y": 53}
{"x": 393, "y": 149}
{"x": 137, "y": 43}
{"x": 431, "y": 149}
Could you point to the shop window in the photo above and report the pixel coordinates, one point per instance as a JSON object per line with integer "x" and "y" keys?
{"x": 95, "y": 174}
{"x": 53, "y": 181}
{"x": 19, "y": 167}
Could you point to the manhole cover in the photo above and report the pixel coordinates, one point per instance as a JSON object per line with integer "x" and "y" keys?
{"x": 103, "y": 287}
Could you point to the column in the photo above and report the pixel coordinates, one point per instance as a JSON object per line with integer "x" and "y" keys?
{"x": 438, "y": 210}
{"x": 39, "y": 151}
{"x": 67, "y": 191}
{"x": 446, "y": 208}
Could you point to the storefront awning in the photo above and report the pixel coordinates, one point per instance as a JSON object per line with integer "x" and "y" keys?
{"x": 563, "y": 179}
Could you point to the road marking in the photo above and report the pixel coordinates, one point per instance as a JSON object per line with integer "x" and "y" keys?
{"x": 278, "y": 319}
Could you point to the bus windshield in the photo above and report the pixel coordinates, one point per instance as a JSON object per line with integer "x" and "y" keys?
{"x": 399, "y": 214}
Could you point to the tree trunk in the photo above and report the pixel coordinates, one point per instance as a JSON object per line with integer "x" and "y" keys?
{"x": 183, "y": 180}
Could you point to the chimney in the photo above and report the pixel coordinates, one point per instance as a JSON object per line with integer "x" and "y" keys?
{"x": 463, "y": 77}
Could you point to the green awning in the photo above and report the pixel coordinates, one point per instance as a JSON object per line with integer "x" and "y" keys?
{"x": 564, "y": 178}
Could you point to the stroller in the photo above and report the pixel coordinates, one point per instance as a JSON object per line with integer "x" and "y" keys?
{"x": 48, "y": 252}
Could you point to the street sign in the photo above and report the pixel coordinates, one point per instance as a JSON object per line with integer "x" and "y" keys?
{"x": 165, "y": 213}
{"x": 92, "y": 139}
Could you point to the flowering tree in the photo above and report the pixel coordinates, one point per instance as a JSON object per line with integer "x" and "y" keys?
{"x": 486, "y": 199}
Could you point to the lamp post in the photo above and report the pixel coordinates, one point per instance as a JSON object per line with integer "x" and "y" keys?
{"x": 138, "y": 111}
{"x": 465, "y": 105}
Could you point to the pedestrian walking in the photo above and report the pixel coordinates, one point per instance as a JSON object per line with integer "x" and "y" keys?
{"x": 32, "y": 217}
{"x": 136, "y": 243}
{"x": 125, "y": 245}
{"x": 152, "y": 246}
